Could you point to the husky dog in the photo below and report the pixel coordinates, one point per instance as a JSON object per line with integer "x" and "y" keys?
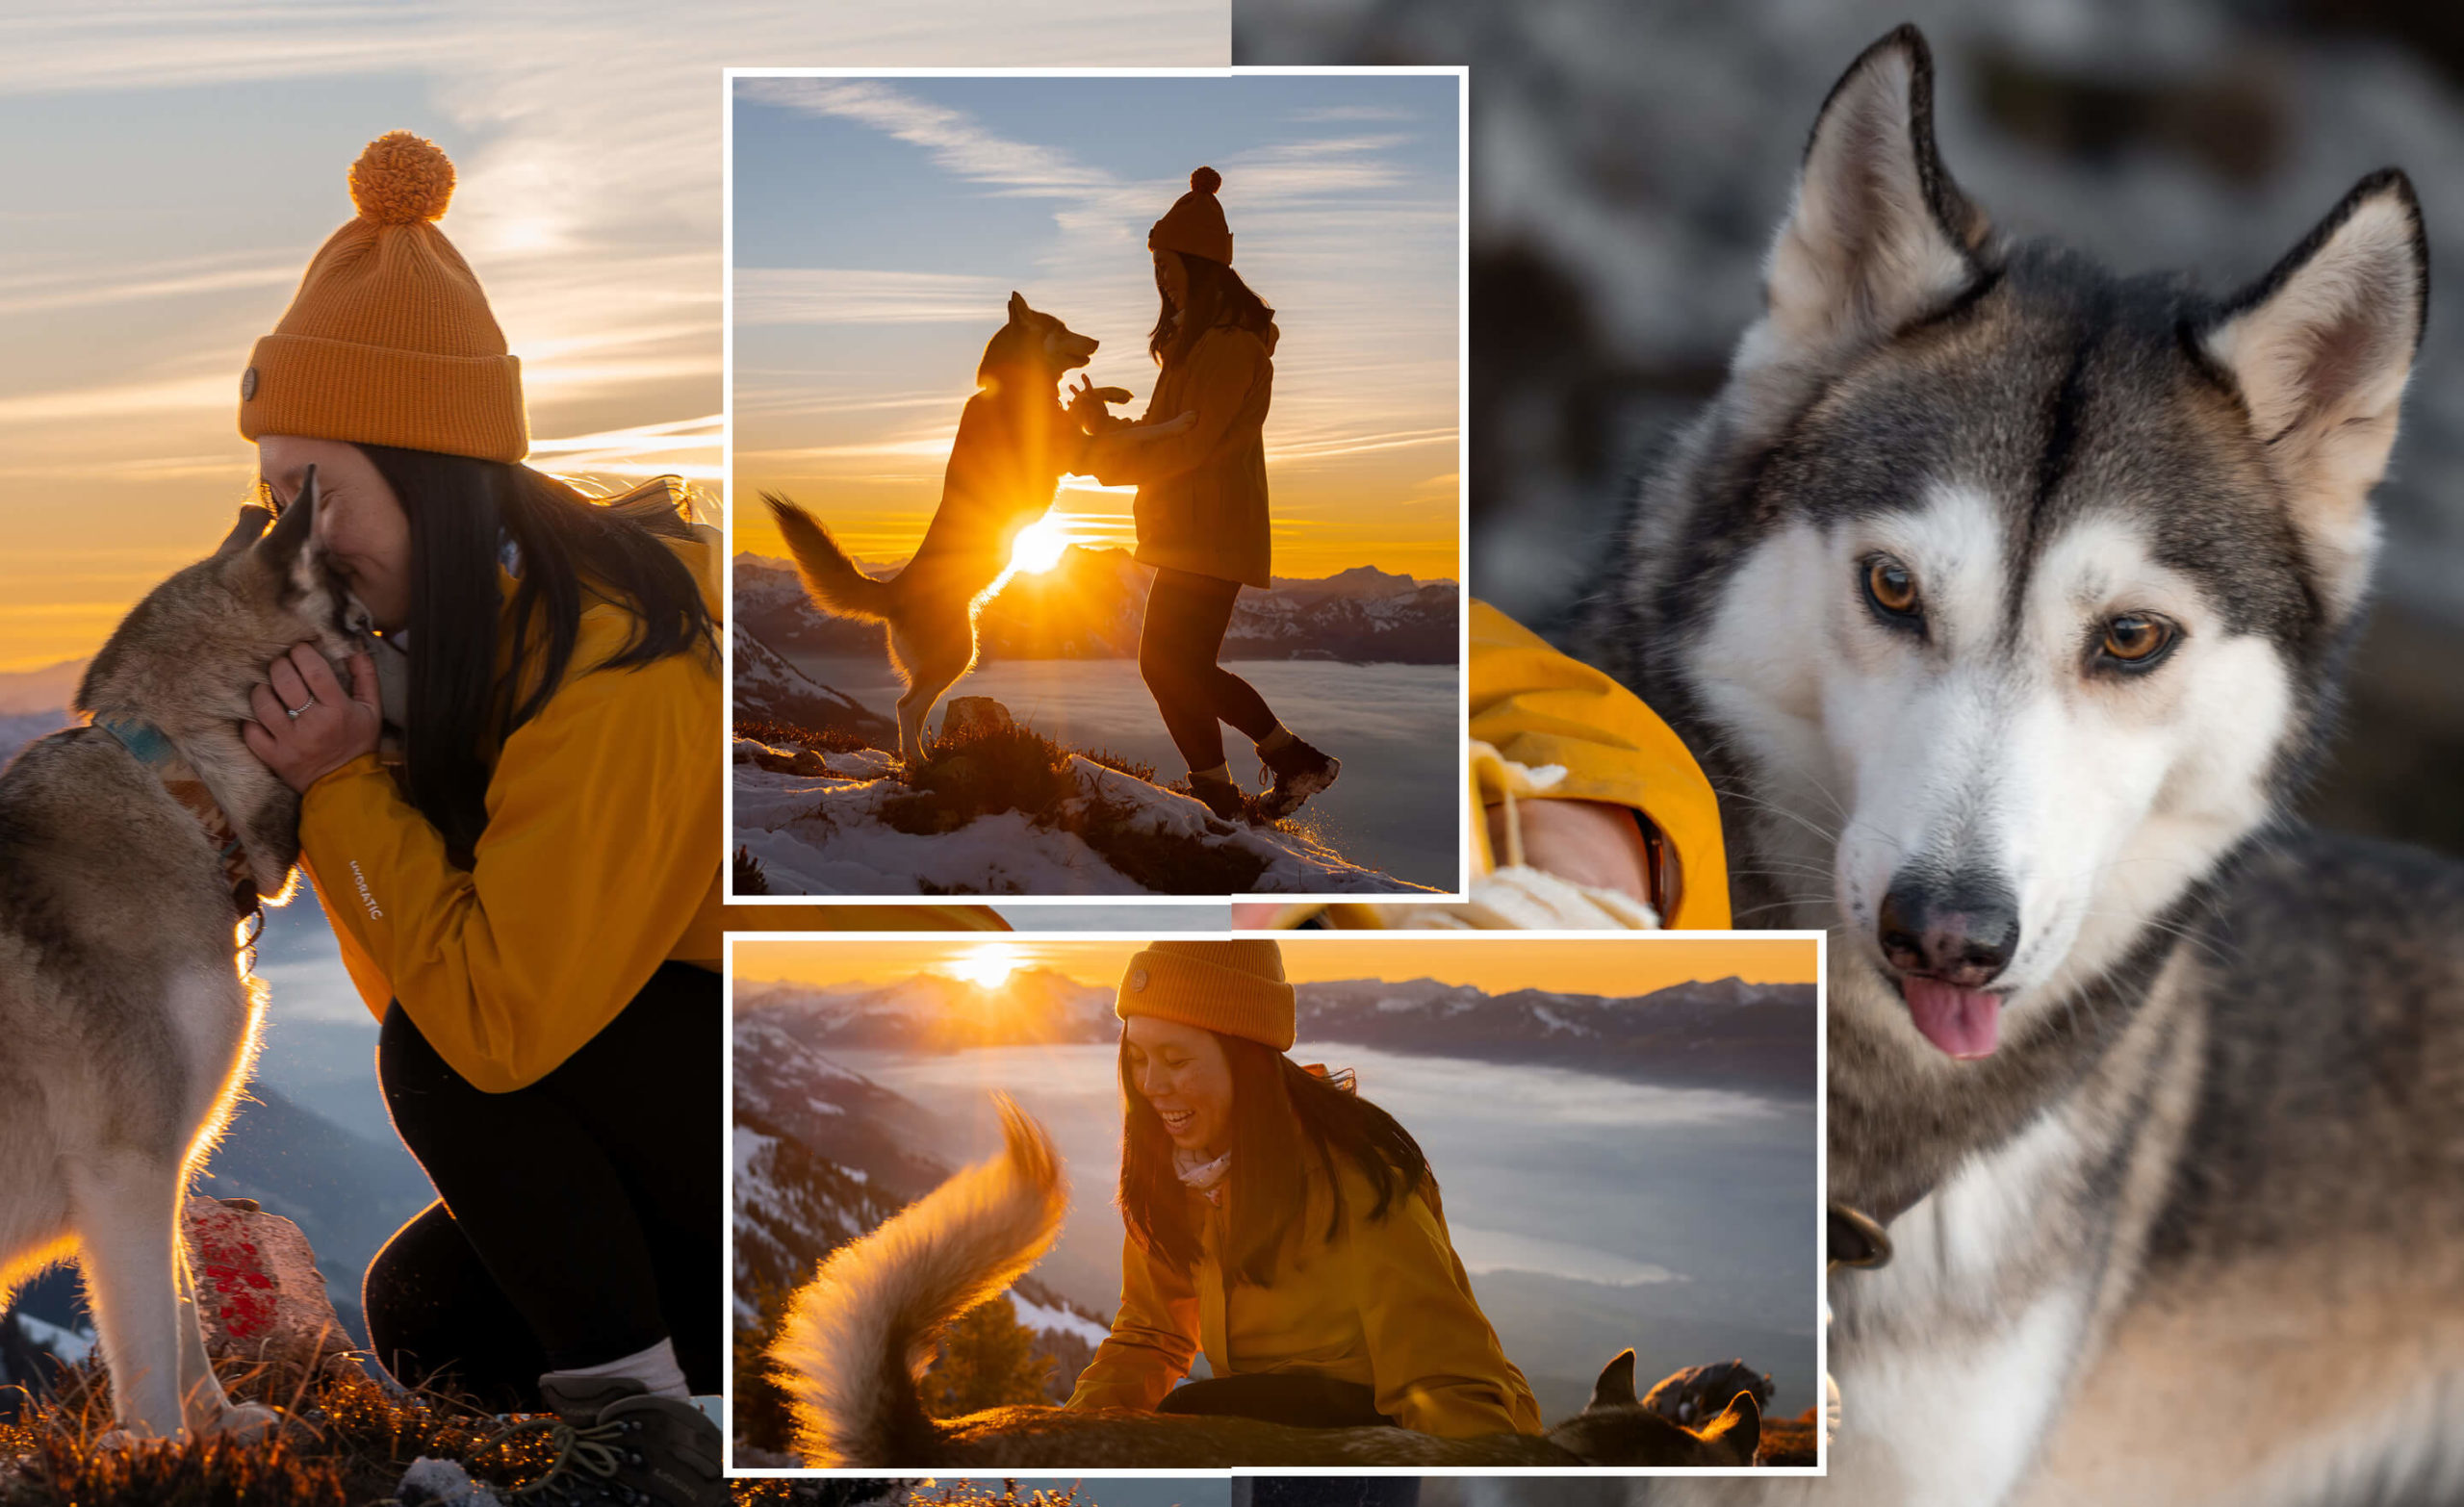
{"x": 1014, "y": 444}
{"x": 859, "y": 1334}
{"x": 2005, "y": 602}
{"x": 130, "y": 851}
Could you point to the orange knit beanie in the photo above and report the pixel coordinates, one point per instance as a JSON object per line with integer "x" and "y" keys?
{"x": 1193, "y": 225}
{"x": 1232, "y": 987}
{"x": 389, "y": 339}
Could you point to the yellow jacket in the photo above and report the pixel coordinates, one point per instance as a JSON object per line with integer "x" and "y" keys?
{"x": 1539, "y": 707}
{"x": 602, "y": 859}
{"x": 1387, "y": 1305}
{"x": 1202, "y": 493}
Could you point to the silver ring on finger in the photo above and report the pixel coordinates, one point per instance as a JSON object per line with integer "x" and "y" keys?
{"x": 293, "y": 711}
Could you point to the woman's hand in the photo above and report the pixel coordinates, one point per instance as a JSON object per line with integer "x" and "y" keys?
{"x": 1589, "y": 842}
{"x": 306, "y": 726}
{"x": 1087, "y": 405}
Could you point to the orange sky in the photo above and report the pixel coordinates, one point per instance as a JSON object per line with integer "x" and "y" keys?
{"x": 1615, "y": 967}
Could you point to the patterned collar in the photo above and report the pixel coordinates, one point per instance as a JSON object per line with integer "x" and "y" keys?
{"x": 146, "y": 744}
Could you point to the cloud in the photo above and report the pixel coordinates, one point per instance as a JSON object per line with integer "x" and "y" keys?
{"x": 848, "y": 296}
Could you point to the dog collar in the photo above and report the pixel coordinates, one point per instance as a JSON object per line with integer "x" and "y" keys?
{"x": 146, "y": 744}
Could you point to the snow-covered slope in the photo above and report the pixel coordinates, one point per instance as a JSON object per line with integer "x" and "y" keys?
{"x": 768, "y": 687}
{"x": 824, "y": 834}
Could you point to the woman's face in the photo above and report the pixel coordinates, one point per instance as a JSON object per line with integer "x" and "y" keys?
{"x": 1183, "y": 1075}
{"x": 1172, "y": 278}
{"x": 361, "y": 526}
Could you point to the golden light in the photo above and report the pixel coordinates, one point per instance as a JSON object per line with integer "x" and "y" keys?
{"x": 986, "y": 967}
{"x": 1037, "y": 547}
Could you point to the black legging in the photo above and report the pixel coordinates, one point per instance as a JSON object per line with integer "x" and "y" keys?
{"x": 579, "y": 1221}
{"x": 1186, "y": 615}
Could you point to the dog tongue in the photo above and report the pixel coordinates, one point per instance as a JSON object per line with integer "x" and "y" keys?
{"x": 1965, "y": 1023}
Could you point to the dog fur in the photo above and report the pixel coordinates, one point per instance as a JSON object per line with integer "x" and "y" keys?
{"x": 2194, "y": 1229}
{"x": 126, "y": 1027}
{"x": 1015, "y": 443}
{"x": 859, "y": 1333}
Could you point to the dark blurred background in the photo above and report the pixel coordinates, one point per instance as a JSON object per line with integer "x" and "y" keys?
{"x": 1632, "y": 158}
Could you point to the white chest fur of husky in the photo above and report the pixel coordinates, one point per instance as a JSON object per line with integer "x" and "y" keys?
{"x": 2004, "y": 601}
{"x": 126, "y": 1024}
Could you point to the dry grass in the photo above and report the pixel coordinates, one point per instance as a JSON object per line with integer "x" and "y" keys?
{"x": 345, "y": 1440}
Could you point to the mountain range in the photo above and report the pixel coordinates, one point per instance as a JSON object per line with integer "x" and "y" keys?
{"x": 1090, "y": 606}
{"x": 1723, "y": 1033}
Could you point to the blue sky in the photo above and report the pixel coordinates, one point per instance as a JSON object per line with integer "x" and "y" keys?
{"x": 880, "y": 223}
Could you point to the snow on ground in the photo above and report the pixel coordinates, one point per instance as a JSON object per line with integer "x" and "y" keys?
{"x": 822, "y": 834}
{"x": 1035, "y": 1317}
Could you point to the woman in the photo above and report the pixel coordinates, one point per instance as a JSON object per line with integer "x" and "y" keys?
{"x": 1281, "y": 1223}
{"x": 530, "y": 902}
{"x": 1201, "y": 508}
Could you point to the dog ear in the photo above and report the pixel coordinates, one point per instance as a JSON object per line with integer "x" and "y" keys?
{"x": 1739, "y": 1427}
{"x": 1018, "y": 310}
{"x": 1879, "y": 234}
{"x": 2320, "y": 349}
{"x": 1615, "y": 1388}
{"x": 279, "y": 547}
{"x": 253, "y": 519}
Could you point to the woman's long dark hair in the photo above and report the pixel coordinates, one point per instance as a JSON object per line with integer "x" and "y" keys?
{"x": 573, "y": 550}
{"x": 1216, "y": 296}
{"x": 1284, "y": 1119}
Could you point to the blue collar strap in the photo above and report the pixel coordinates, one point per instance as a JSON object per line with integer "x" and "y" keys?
{"x": 146, "y": 744}
{"x": 143, "y": 740}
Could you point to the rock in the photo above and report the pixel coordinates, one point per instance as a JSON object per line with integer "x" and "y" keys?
{"x": 431, "y": 1482}
{"x": 808, "y": 762}
{"x": 973, "y": 717}
{"x": 259, "y": 1293}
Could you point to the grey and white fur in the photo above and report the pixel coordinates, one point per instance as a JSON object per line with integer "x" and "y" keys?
{"x": 127, "y": 1021}
{"x": 2005, "y": 602}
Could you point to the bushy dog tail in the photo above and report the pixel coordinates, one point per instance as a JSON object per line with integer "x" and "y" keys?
{"x": 861, "y": 1332}
{"x": 825, "y": 568}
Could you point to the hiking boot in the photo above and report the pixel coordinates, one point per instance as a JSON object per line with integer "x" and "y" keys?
{"x": 1300, "y": 771}
{"x": 616, "y": 1443}
{"x": 1223, "y": 797}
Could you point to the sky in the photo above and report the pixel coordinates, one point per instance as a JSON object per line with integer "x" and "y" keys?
{"x": 881, "y": 224}
{"x": 1611, "y": 967}
{"x": 173, "y": 165}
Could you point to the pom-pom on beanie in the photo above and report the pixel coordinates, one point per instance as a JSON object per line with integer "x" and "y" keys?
{"x": 389, "y": 339}
{"x": 1193, "y": 225}
{"x": 1232, "y": 987}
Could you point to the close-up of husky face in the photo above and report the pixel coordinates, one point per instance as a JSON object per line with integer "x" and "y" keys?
{"x": 2035, "y": 576}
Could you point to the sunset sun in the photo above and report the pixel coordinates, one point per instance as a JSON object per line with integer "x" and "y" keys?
{"x": 1039, "y": 545}
{"x": 986, "y": 967}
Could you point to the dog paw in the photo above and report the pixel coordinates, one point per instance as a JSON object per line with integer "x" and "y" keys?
{"x": 248, "y": 1417}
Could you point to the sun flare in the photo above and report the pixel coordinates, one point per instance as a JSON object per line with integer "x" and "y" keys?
{"x": 1037, "y": 547}
{"x": 987, "y": 967}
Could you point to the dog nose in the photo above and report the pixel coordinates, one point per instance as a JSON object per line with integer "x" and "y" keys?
{"x": 1962, "y": 931}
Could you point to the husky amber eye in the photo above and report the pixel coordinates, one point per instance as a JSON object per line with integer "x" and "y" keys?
{"x": 1890, "y": 586}
{"x": 2135, "y": 639}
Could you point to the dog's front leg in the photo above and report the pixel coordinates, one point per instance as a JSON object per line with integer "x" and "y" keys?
{"x": 127, "y": 1207}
